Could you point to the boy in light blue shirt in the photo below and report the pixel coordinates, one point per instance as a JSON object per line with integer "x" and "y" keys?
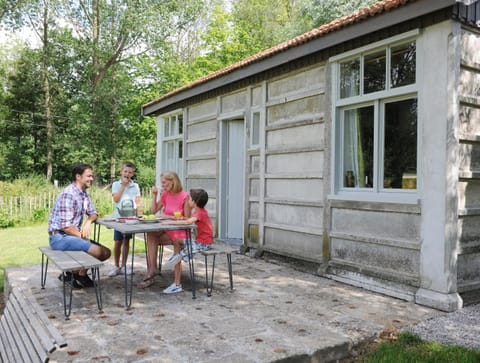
{"x": 124, "y": 189}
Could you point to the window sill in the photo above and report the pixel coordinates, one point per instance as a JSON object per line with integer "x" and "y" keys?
{"x": 406, "y": 203}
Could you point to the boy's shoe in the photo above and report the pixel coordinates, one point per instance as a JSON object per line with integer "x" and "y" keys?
{"x": 129, "y": 271}
{"x": 173, "y": 289}
{"x": 172, "y": 261}
{"x": 84, "y": 281}
{"x": 115, "y": 271}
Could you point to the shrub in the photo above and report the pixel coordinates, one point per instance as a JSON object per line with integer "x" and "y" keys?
{"x": 40, "y": 215}
{"x": 6, "y": 220}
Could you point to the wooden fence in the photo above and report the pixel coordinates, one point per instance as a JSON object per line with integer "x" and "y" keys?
{"x": 23, "y": 207}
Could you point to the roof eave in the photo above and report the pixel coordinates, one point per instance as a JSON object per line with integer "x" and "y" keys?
{"x": 376, "y": 23}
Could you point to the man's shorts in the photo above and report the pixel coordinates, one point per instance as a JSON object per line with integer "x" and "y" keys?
{"x": 65, "y": 242}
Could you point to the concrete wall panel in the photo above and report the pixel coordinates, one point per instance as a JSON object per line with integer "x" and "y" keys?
{"x": 202, "y": 167}
{"x": 203, "y": 110}
{"x": 294, "y": 244}
{"x": 469, "y": 83}
{"x": 312, "y": 134}
{"x": 234, "y": 102}
{"x": 202, "y": 148}
{"x": 293, "y": 163}
{"x": 469, "y": 157}
{"x": 468, "y": 231}
{"x": 310, "y": 108}
{"x": 469, "y": 120}
{"x": 396, "y": 226}
{"x": 376, "y": 256}
{"x": 468, "y": 271}
{"x": 470, "y": 45}
{"x": 310, "y": 79}
{"x": 469, "y": 194}
{"x": 202, "y": 130}
{"x": 294, "y": 215}
{"x": 257, "y": 96}
{"x": 209, "y": 184}
{"x": 308, "y": 190}
{"x": 254, "y": 189}
{"x": 253, "y": 212}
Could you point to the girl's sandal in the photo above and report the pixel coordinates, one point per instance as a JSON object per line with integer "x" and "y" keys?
{"x": 147, "y": 282}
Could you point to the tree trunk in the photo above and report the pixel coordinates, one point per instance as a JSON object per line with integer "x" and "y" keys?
{"x": 48, "y": 112}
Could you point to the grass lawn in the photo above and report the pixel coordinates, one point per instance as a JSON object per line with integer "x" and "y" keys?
{"x": 407, "y": 348}
{"x": 19, "y": 246}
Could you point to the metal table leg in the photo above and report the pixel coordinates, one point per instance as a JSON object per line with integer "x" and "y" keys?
{"x": 43, "y": 276}
{"x": 67, "y": 294}
{"x": 98, "y": 288}
{"x": 128, "y": 281}
{"x": 191, "y": 266}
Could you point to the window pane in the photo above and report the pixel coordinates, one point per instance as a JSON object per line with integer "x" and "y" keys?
{"x": 400, "y": 160}
{"x": 350, "y": 78}
{"x": 173, "y": 125}
{"x": 256, "y": 128}
{"x": 403, "y": 63}
{"x": 374, "y": 72}
{"x": 170, "y": 156}
{"x": 180, "y": 124}
{"x": 358, "y": 148}
{"x": 166, "y": 127}
{"x": 180, "y": 149}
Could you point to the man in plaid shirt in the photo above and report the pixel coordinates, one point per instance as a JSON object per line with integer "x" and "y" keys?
{"x": 65, "y": 228}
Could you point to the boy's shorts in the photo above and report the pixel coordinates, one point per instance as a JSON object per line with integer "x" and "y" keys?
{"x": 196, "y": 247}
{"x": 118, "y": 236}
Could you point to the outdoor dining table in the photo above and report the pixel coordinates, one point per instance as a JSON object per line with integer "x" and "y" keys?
{"x": 144, "y": 227}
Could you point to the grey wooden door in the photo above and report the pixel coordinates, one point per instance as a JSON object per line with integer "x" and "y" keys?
{"x": 232, "y": 180}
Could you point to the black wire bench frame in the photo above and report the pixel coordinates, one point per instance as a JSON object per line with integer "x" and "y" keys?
{"x": 70, "y": 261}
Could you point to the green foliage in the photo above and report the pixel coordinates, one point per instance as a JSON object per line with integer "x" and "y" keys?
{"x": 6, "y": 220}
{"x": 33, "y": 184}
{"x": 318, "y": 12}
{"x": 40, "y": 215}
{"x": 410, "y": 348}
{"x": 145, "y": 176}
{"x": 102, "y": 200}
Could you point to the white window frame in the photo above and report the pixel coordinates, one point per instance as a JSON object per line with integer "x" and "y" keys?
{"x": 378, "y": 100}
{"x": 174, "y": 136}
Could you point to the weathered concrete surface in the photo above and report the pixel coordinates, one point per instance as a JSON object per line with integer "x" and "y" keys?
{"x": 275, "y": 313}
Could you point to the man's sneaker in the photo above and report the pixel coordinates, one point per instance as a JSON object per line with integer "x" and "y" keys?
{"x": 68, "y": 276}
{"x": 173, "y": 289}
{"x": 172, "y": 261}
{"x": 84, "y": 281}
{"x": 115, "y": 271}
{"x": 69, "y": 279}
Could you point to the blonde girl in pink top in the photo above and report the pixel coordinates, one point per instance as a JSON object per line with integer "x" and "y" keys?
{"x": 172, "y": 198}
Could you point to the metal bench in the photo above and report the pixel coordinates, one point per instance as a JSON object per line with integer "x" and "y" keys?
{"x": 218, "y": 249}
{"x": 69, "y": 261}
{"x": 26, "y": 333}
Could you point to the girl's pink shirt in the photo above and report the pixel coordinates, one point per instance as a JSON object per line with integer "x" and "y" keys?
{"x": 172, "y": 202}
